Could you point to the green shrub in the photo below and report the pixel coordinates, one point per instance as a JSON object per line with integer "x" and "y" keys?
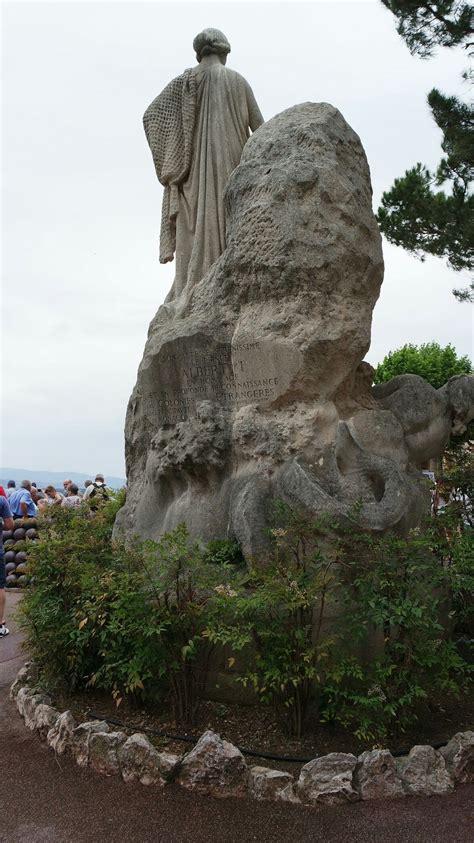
{"x": 184, "y": 588}
{"x": 124, "y": 619}
{"x": 79, "y": 574}
{"x": 224, "y": 552}
{"x": 362, "y": 625}
{"x": 277, "y": 617}
{"x": 396, "y": 589}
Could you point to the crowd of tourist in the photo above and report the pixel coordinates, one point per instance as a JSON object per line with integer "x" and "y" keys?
{"x": 28, "y": 500}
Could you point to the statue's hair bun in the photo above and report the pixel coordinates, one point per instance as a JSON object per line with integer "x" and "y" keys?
{"x": 210, "y": 41}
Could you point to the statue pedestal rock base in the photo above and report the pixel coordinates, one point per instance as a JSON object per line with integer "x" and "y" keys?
{"x": 252, "y": 385}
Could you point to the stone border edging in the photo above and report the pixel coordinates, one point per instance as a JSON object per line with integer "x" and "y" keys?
{"x": 214, "y": 766}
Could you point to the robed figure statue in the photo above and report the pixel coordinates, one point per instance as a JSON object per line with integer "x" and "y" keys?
{"x": 197, "y": 128}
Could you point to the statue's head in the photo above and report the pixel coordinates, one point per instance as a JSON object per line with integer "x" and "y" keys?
{"x": 211, "y": 42}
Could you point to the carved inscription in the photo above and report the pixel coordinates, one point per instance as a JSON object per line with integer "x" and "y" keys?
{"x": 228, "y": 375}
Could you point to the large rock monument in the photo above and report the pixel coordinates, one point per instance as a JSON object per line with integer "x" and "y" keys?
{"x": 252, "y": 385}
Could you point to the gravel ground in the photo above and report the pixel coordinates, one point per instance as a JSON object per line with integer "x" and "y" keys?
{"x": 49, "y": 800}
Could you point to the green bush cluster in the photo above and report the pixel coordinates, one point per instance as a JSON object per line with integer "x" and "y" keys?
{"x": 397, "y": 607}
{"x": 430, "y": 361}
{"x": 357, "y": 628}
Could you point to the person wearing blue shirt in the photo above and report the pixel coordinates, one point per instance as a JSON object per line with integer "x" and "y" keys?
{"x": 7, "y": 524}
{"x": 21, "y": 502}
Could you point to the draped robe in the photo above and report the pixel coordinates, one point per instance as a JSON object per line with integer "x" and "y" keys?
{"x": 223, "y": 110}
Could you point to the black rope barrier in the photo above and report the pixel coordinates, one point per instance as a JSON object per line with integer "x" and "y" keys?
{"x": 397, "y": 753}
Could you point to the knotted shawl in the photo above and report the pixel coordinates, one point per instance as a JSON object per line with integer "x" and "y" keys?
{"x": 169, "y": 128}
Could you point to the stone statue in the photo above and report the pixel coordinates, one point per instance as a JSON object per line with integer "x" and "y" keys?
{"x": 197, "y": 128}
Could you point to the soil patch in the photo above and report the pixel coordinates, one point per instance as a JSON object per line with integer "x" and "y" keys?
{"x": 259, "y": 729}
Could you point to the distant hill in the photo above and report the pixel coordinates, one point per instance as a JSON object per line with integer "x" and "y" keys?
{"x": 53, "y": 478}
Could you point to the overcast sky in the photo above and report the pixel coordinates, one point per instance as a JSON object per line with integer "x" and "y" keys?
{"x": 81, "y": 211}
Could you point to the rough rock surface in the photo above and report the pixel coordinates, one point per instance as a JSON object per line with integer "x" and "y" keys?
{"x": 81, "y": 739}
{"x": 140, "y": 761}
{"x": 30, "y": 704}
{"x": 328, "y": 780}
{"x": 376, "y": 775}
{"x": 104, "y": 748}
{"x": 214, "y": 766}
{"x": 273, "y": 785}
{"x": 59, "y": 736}
{"x": 45, "y": 718}
{"x": 252, "y": 385}
{"x": 427, "y": 415}
{"x": 27, "y": 676}
{"x": 459, "y": 756}
{"x": 22, "y": 695}
{"x": 423, "y": 772}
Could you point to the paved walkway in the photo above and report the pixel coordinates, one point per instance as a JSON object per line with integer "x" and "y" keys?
{"x": 49, "y": 800}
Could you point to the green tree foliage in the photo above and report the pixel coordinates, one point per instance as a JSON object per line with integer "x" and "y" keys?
{"x": 424, "y": 220}
{"x": 431, "y": 362}
{"x": 414, "y": 213}
{"x": 424, "y": 26}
